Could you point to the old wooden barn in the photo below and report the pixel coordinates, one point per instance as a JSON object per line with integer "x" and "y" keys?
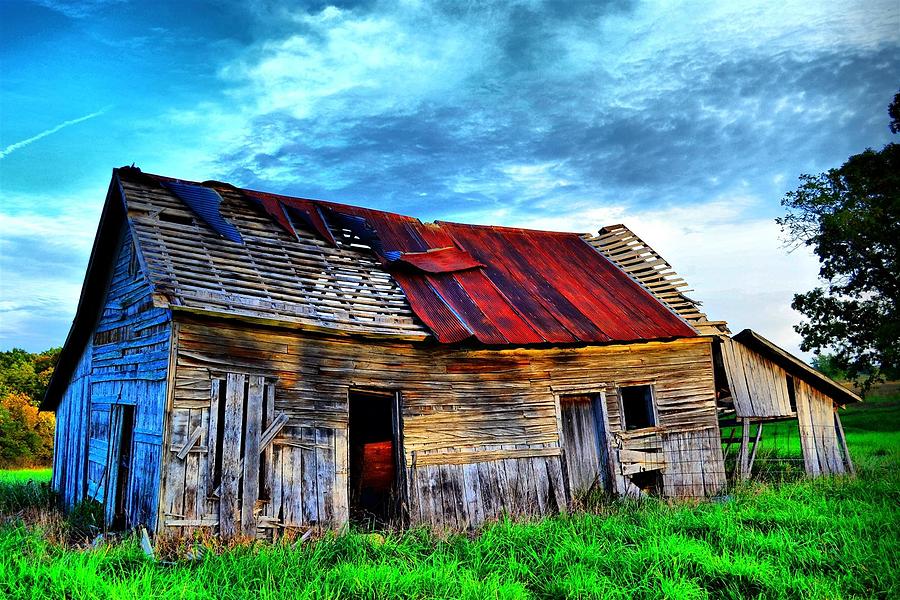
{"x": 248, "y": 362}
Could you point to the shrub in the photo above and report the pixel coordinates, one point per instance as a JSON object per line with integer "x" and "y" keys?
{"x": 26, "y": 435}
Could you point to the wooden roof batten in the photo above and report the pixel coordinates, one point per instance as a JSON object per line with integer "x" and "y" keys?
{"x": 639, "y": 260}
{"x": 298, "y": 283}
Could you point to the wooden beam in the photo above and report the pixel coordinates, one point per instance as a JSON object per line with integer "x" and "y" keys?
{"x": 743, "y": 456}
{"x": 839, "y": 428}
{"x": 191, "y": 441}
{"x": 759, "y": 428}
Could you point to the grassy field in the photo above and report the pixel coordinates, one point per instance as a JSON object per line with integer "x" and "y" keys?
{"x": 24, "y": 475}
{"x": 831, "y": 538}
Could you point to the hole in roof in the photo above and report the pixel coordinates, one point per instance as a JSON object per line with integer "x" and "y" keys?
{"x": 171, "y": 217}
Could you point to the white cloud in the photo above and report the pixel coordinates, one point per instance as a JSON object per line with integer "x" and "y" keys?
{"x": 43, "y": 257}
{"x": 78, "y": 9}
{"x": 362, "y": 64}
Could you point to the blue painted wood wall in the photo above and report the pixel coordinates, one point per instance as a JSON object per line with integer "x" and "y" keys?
{"x": 126, "y": 363}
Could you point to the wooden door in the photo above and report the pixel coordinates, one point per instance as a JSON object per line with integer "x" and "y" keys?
{"x": 584, "y": 445}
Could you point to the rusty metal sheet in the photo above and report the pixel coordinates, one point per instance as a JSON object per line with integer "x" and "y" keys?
{"x": 440, "y": 260}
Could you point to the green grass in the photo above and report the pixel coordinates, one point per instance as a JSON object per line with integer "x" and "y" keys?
{"x": 24, "y": 475}
{"x": 826, "y": 538}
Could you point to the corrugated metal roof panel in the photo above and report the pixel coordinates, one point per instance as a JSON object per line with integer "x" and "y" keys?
{"x": 448, "y": 327}
{"x": 205, "y": 204}
{"x": 440, "y": 260}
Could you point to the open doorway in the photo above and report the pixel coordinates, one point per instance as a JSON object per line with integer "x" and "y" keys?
{"x": 123, "y": 430}
{"x": 375, "y": 472}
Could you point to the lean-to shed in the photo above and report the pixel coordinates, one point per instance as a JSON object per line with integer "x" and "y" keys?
{"x": 248, "y": 362}
{"x": 756, "y": 381}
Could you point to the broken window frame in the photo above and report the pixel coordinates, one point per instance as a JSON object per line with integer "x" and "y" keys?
{"x": 654, "y": 410}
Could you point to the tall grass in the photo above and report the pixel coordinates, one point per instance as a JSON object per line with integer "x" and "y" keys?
{"x": 826, "y": 538}
{"x": 24, "y": 490}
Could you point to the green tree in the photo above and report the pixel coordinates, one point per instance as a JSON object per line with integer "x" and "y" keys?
{"x": 26, "y": 435}
{"x": 27, "y": 373}
{"x": 850, "y": 217}
{"x": 825, "y": 364}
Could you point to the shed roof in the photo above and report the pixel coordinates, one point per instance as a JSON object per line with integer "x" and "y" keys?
{"x": 368, "y": 271}
{"x": 796, "y": 367}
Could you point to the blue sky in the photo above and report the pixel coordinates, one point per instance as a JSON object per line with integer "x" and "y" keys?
{"x": 685, "y": 120}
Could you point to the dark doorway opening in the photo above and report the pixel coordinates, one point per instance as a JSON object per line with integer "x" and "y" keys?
{"x": 125, "y": 426}
{"x": 649, "y": 482}
{"x": 374, "y": 458}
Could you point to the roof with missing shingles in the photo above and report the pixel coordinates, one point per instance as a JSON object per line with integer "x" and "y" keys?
{"x": 217, "y": 248}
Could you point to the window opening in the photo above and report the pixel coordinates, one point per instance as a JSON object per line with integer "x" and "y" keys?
{"x": 637, "y": 407}
{"x": 792, "y": 393}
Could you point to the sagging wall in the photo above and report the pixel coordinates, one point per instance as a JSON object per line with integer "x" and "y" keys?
{"x": 124, "y": 365}
{"x": 758, "y": 386}
{"x": 820, "y": 432}
{"x": 762, "y": 390}
{"x": 480, "y": 428}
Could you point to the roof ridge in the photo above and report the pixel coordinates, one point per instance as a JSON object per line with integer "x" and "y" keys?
{"x": 509, "y": 228}
{"x": 338, "y": 205}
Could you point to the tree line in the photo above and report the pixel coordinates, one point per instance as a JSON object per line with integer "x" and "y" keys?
{"x": 26, "y": 434}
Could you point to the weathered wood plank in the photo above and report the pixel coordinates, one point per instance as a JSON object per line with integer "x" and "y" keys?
{"x": 253, "y": 416}
{"x": 309, "y": 475}
{"x": 325, "y": 474}
{"x": 229, "y": 508}
{"x": 269, "y": 430}
{"x": 212, "y": 433}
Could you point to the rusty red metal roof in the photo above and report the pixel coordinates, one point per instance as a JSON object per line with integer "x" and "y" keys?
{"x": 496, "y": 285}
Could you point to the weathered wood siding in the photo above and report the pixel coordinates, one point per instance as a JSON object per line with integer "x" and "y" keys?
{"x": 823, "y": 452}
{"x": 760, "y": 390}
{"x": 69, "y": 447}
{"x": 126, "y": 363}
{"x": 758, "y": 386}
{"x": 480, "y": 428}
{"x": 694, "y": 463}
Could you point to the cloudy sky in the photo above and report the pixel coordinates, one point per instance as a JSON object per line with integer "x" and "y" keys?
{"x": 685, "y": 120}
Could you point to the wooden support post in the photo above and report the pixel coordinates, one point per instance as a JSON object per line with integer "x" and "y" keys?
{"x": 253, "y": 410}
{"x": 759, "y": 429}
{"x": 839, "y": 428}
{"x": 744, "y": 454}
